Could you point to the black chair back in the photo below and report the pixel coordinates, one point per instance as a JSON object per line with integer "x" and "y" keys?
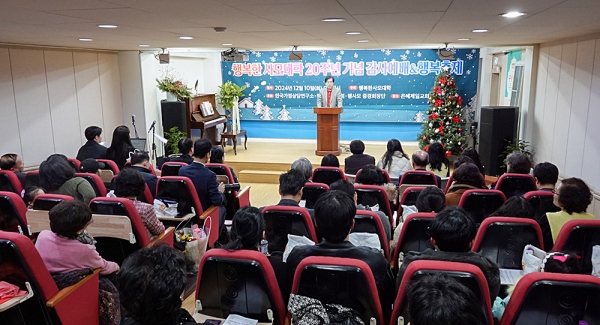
{"x": 311, "y": 194}
{"x": 370, "y": 198}
{"x": 170, "y": 169}
{"x": 327, "y": 176}
{"x": 516, "y": 185}
{"x": 280, "y": 224}
{"x": 480, "y": 204}
{"x": 581, "y": 241}
{"x": 32, "y": 179}
{"x": 11, "y": 218}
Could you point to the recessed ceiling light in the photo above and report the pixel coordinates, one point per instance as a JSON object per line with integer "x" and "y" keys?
{"x": 479, "y": 30}
{"x": 464, "y": 39}
{"x": 107, "y": 26}
{"x": 144, "y": 45}
{"x": 185, "y": 37}
{"x": 363, "y": 41}
{"x": 513, "y": 14}
{"x": 333, "y": 19}
{"x": 353, "y": 33}
{"x": 85, "y": 39}
{"x": 227, "y": 44}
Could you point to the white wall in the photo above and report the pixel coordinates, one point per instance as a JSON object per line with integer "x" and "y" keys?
{"x": 48, "y": 97}
{"x": 131, "y": 91}
{"x": 566, "y": 123}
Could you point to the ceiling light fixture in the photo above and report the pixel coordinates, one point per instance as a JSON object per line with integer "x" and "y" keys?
{"x": 333, "y": 19}
{"x": 479, "y": 30}
{"x": 353, "y": 33}
{"x": 85, "y": 39}
{"x": 464, "y": 39}
{"x": 185, "y": 37}
{"x": 363, "y": 41}
{"x": 513, "y": 14}
{"x": 107, "y": 26}
{"x": 227, "y": 44}
{"x": 144, "y": 45}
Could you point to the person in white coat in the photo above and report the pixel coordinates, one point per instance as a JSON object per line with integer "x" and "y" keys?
{"x": 394, "y": 161}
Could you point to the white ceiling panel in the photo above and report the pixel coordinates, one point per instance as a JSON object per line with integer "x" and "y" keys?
{"x": 357, "y": 7}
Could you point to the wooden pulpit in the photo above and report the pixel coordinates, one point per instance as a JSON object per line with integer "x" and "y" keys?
{"x": 328, "y": 130}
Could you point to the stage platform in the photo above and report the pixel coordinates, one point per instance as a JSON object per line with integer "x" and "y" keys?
{"x": 265, "y": 160}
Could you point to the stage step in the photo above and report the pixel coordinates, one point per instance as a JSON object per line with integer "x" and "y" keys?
{"x": 259, "y": 176}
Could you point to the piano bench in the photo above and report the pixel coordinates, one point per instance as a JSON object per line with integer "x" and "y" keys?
{"x": 229, "y": 135}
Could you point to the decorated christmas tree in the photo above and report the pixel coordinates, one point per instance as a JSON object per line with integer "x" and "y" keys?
{"x": 444, "y": 123}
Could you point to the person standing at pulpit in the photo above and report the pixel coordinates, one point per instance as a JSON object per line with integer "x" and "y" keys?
{"x": 329, "y": 96}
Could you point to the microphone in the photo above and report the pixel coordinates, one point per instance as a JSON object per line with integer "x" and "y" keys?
{"x": 152, "y": 126}
{"x": 133, "y": 118}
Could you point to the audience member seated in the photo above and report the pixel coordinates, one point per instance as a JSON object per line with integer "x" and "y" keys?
{"x": 573, "y": 197}
{"x": 546, "y": 176}
{"x": 304, "y": 166}
{"x": 439, "y": 299}
{"x": 372, "y": 175}
{"x": 554, "y": 262}
{"x": 394, "y": 160}
{"x": 120, "y": 147}
{"x": 474, "y": 155}
{"x": 518, "y": 163}
{"x": 57, "y": 176}
{"x": 90, "y": 165}
{"x": 92, "y": 148}
{"x": 151, "y": 283}
{"x": 330, "y": 160}
{"x": 452, "y": 234}
{"x": 30, "y": 194}
{"x": 60, "y": 250}
{"x": 348, "y": 188}
{"x": 217, "y": 155}
{"x": 186, "y": 148}
{"x": 516, "y": 207}
{"x": 247, "y": 229}
{"x": 14, "y": 163}
{"x": 335, "y": 213}
{"x": 463, "y": 160}
{"x": 130, "y": 184}
{"x": 205, "y": 181}
{"x": 358, "y": 160}
{"x": 291, "y": 185}
{"x": 140, "y": 161}
{"x": 438, "y": 162}
{"x": 431, "y": 199}
{"x": 420, "y": 161}
{"x": 466, "y": 177}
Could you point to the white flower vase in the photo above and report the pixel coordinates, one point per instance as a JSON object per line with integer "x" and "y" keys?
{"x": 171, "y": 97}
{"x": 235, "y": 118}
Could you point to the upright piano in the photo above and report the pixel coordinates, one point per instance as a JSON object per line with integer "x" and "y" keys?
{"x": 206, "y": 124}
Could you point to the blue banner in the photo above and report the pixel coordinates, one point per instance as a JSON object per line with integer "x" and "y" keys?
{"x": 378, "y": 86}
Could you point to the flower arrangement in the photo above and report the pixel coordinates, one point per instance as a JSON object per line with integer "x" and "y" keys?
{"x": 229, "y": 93}
{"x": 170, "y": 83}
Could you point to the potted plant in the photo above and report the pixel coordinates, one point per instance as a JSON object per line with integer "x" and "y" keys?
{"x": 229, "y": 94}
{"x": 173, "y": 136}
{"x": 173, "y": 85}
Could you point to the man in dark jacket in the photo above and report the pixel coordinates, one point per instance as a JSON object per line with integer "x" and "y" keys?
{"x": 452, "y": 233}
{"x": 334, "y": 213}
{"x": 92, "y": 148}
{"x": 140, "y": 161}
{"x": 358, "y": 160}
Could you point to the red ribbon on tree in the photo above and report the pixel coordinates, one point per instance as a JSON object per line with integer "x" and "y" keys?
{"x": 459, "y": 100}
{"x": 455, "y": 119}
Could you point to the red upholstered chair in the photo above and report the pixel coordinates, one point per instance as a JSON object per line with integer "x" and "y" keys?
{"x": 409, "y": 197}
{"x": 150, "y": 168}
{"x": 542, "y": 298}
{"x": 328, "y": 175}
{"x": 32, "y": 178}
{"x": 9, "y": 182}
{"x": 414, "y": 236}
{"x": 181, "y": 190}
{"x": 541, "y": 201}
{"x": 418, "y": 177}
{"x": 370, "y": 195}
{"x": 13, "y": 214}
{"x": 345, "y": 281}
{"x": 75, "y": 163}
{"x": 114, "y": 249}
{"x": 449, "y": 183}
{"x": 243, "y": 197}
{"x": 171, "y": 168}
{"x": 147, "y": 196}
{"x": 46, "y": 202}
{"x": 96, "y": 182}
{"x": 579, "y": 236}
{"x": 221, "y": 169}
{"x": 287, "y": 220}
{"x": 481, "y": 203}
{"x": 515, "y": 184}
{"x": 22, "y": 265}
{"x": 502, "y": 240}
{"x": 110, "y": 165}
{"x": 385, "y": 173}
{"x": 369, "y": 221}
{"x": 239, "y": 282}
{"x": 467, "y": 274}
{"x": 311, "y": 193}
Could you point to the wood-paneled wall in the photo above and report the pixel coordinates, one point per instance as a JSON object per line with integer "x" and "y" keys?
{"x": 49, "y": 97}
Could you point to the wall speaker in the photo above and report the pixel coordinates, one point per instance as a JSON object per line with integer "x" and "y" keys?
{"x": 164, "y": 58}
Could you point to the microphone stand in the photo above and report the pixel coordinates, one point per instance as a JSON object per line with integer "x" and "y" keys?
{"x": 135, "y": 129}
{"x": 153, "y": 144}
